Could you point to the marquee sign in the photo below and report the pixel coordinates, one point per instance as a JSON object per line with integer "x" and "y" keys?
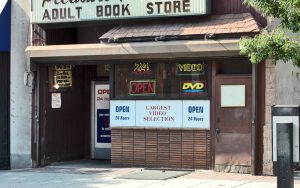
{"x": 53, "y": 11}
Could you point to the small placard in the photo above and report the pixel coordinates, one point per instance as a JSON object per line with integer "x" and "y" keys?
{"x": 233, "y": 95}
{"x": 56, "y": 100}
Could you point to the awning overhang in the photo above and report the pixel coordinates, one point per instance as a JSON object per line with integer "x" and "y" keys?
{"x": 135, "y": 50}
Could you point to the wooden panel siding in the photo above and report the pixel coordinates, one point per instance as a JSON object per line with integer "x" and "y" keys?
{"x": 151, "y": 148}
{"x": 170, "y": 148}
{"x": 4, "y": 110}
{"x": 175, "y": 148}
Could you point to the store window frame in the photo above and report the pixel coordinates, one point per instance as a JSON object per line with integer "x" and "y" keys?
{"x": 208, "y": 69}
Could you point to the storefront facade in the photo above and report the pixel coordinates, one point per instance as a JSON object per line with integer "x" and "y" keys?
{"x": 169, "y": 92}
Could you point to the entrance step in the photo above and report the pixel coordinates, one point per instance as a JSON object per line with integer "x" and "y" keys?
{"x": 297, "y": 174}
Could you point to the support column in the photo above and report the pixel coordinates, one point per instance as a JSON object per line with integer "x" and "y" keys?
{"x": 20, "y": 95}
{"x": 270, "y": 96}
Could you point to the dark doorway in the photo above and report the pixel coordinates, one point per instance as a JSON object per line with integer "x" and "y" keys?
{"x": 233, "y": 123}
{"x": 65, "y": 131}
{"x": 4, "y": 111}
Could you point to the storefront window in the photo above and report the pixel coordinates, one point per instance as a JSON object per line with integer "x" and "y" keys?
{"x": 142, "y": 80}
{"x": 188, "y": 80}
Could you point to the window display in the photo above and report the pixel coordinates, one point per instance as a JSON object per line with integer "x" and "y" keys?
{"x": 162, "y": 80}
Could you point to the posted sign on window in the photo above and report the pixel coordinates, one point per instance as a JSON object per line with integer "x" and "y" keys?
{"x": 122, "y": 113}
{"x": 196, "y": 114}
{"x": 102, "y": 130}
{"x": 162, "y": 113}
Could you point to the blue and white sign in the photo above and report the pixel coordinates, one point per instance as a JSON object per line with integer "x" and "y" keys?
{"x": 122, "y": 113}
{"x": 154, "y": 113}
{"x": 160, "y": 113}
{"x": 196, "y": 113}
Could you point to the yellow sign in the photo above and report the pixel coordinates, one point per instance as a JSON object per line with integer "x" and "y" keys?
{"x": 142, "y": 69}
{"x": 190, "y": 69}
{"x": 63, "y": 67}
{"x": 63, "y": 75}
{"x": 193, "y": 86}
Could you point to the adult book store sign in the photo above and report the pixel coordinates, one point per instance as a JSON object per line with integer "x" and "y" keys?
{"x": 52, "y": 11}
{"x": 162, "y": 113}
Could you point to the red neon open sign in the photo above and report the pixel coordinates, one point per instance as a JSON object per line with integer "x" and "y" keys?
{"x": 142, "y": 87}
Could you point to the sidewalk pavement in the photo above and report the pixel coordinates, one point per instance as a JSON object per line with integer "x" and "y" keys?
{"x": 61, "y": 177}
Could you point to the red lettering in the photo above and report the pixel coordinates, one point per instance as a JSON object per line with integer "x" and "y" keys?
{"x": 142, "y": 87}
{"x": 151, "y": 87}
{"x": 103, "y": 91}
{"x": 145, "y": 87}
{"x": 133, "y": 88}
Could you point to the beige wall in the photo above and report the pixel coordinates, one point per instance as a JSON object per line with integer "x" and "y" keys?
{"x": 270, "y": 96}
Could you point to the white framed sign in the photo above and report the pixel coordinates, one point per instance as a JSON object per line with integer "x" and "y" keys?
{"x": 233, "y": 95}
{"x": 102, "y": 96}
{"x": 160, "y": 113}
{"x": 55, "y": 11}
